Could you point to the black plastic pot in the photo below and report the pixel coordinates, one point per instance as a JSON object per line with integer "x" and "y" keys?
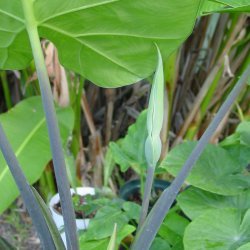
{"x": 132, "y": 188}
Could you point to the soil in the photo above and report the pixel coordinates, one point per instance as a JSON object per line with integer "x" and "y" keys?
{"x": 16, "y": 227}
{"x": 136, "y": 197}
{"x": 79, "y": 213}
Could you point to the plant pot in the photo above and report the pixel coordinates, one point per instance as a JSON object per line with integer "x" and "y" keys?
{"x": 81, "y": 224}
{"x": 132, "y": 188}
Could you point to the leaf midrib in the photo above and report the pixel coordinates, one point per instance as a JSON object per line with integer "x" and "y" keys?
{"x": 90, "y": 47}
{"x": 22, "y": 146}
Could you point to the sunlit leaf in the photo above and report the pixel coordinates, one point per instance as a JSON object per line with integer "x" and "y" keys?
{"x": 110, "y": 42}
{"x": 211, "y": 6}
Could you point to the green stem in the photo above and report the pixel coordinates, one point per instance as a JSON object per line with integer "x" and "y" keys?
{"x": 146, "y": 196}
{"x": 6, "y": 90}
{"x": 50, "y": 180}
{"x": 52, "y": 124}
{"x": 43, "y": 190}
{"x": 77, "y": 110}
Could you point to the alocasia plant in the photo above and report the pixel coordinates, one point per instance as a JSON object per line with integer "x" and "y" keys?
{"x": 110, "y": 42}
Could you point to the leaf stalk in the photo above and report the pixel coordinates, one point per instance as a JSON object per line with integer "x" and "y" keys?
{"x": 26, "y": 192}
{"x": 52, "y": 125}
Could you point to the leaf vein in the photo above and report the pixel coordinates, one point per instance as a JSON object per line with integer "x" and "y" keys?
{"x": 78, "y": 9}
{"x": 91, "y": 47}
{"x": 12, "y": 16}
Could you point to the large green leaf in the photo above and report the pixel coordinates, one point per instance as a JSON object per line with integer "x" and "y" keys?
{"x": 110, "y": 42}
{"x": 26, "y": 130}
{"x": 215, "y": 171}
{"x": 222, "y": 229}
{"x": 130, "y": 151}
{"x": 194, "y": 201}
{"x": 210, "y": 6}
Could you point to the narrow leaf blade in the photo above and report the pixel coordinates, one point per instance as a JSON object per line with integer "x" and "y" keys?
{"x": 50, "y": 222}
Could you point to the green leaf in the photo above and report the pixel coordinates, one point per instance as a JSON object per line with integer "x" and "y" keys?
{"x": 244, "y": 133}
{"x": 234, "y": 3}
{"x": 159, "y": 243}
{"x": 241, "y": 135}
{"x": 129, "y": 151}
{"x": 238, "y": 144}
{"x": 109, "y": 165}
{"x": 106, "y": 217}
{"x": 244, "y": 247}
{"x": 27, "y": 132}
{"x": 50, "y": 222}
{"x": 103, "y": 243}
{"x": 109, "y": 42}
{"x": 132, "y": 210}
{"x": 155, "y": 116}
{"x": 218, "y": 229}
{"x": 215, "y": 171}
{"x": 210, "y": 6}
{"x": 111, "y": 245}
{"x": 239, "y": 152}
{"x": 71, "y": 168}
{"x": 194, "y": 201}
{"x": 172, "y": 229}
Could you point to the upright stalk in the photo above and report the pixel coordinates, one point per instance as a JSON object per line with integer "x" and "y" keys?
{"x": 146, "y": 196}
{"x": 6, "y": 90}
{"x": 52, "y": 125}
{"x": 153, "y": 143}
{"x": 153, "y": 222}
{"x": 26, "y": 193}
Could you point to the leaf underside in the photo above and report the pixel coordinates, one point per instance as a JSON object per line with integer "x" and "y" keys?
{"x": 110, "y": 42}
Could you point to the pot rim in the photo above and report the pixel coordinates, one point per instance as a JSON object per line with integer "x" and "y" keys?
{"x": 79, "y": 190}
